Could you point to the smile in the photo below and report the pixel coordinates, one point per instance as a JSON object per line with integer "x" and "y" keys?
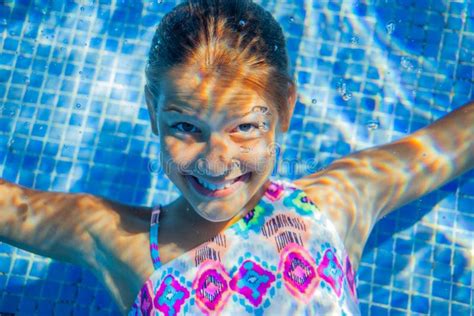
{"x": 205, "y": 188}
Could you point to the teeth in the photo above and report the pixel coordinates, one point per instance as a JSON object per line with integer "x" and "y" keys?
{"x": 212, "y": 186}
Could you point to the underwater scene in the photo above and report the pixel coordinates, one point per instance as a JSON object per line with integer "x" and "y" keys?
{"x": 73, "y": 119}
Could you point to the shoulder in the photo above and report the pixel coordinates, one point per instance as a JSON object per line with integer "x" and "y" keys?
{"x": 334, "y": 202}
{"x": 114, "y": 214}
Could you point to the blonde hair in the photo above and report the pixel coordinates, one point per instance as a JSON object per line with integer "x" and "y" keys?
{"x": 233, "y": 39}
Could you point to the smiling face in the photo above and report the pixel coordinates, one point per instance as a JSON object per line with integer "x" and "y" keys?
{"x": 217, "y": 140}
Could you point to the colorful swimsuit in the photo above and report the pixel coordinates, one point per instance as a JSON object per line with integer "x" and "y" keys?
{"x": 283, "y": 258}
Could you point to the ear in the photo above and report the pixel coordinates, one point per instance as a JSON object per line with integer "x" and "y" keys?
{"x": 151, "y": 105}
{"x": 291, "y": 106}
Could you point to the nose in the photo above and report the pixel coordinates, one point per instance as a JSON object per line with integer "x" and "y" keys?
{"x": 218, "y": 159}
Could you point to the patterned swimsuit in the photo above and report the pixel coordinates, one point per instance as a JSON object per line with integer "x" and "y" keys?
{"x": 283, "y": 258}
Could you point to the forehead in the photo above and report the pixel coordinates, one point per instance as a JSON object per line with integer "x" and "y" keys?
{"x": 199, "y": 92}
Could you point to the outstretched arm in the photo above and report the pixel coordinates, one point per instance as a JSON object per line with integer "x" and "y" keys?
{"x": 102, "y": 235}
{"x": 359, "y": 189}
{"x": 50, "y": 224}
{"x": 399, "y": 172}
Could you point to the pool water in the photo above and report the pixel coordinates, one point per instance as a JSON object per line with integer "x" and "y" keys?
{"x": 73, "y": 119}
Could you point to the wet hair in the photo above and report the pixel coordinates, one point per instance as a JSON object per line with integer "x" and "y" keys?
{"x": 231, "y": 39}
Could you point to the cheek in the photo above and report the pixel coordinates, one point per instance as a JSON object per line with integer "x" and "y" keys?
{"x": 178, "y": 152}
{"x": 261, "y": 155}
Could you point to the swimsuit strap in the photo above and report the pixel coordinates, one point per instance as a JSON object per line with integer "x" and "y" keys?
{"x": 155, "y": 216}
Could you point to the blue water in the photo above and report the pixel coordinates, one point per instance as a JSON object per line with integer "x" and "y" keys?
{"x": 73, "y": 119}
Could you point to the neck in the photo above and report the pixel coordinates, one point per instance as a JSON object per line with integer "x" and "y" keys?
{"x": 250, "y": 204}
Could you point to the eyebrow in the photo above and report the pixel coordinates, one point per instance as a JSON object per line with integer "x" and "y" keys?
{"x": 175, "y": 108}
{"x": 181, "y": 110}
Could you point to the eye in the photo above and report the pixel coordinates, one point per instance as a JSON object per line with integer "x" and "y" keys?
{"x": 185, "y": 127}
{"x": 247, "y": 127}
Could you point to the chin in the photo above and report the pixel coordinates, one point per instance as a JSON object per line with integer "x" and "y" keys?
{"x": 220, "y": 204}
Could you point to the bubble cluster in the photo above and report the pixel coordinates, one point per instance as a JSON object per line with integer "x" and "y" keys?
{"x": 407, "y": 63}
{"x": 343, "y": 91}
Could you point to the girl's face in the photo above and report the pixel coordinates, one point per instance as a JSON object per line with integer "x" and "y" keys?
{"x": 217, "y": 142}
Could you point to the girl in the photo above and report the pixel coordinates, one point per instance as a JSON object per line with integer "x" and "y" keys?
{"x": 237, "y": 241}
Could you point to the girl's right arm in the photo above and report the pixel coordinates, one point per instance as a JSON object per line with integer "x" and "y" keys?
{"x": 50, "y": 224}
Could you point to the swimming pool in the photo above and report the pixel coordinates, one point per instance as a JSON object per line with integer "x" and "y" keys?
{"x": 73, "y": 119}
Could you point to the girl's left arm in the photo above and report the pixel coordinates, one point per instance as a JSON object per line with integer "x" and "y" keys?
{"x": 359, "y": 189}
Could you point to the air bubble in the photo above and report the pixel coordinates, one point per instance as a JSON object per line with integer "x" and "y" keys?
{"x": 242, "y": 22}
{"x": 261, "y": 109}
{"x": 343, "y": 91}
{"x": 3, "y": 21}
{"x": 354, "y": 40}
{"x": 292, "y": 19}
{"x": 275, "y": 48}
{"x": 373, "y": 125}
{"x": 235, "y": 164}
{"x": 347, "y": 96}
{"x": 78, "y": 105}
{"x": 390, "y": 27}
{"x": 407, "y": 63}
{"x": 82, "y": 9}
{"x": 314, "y": 101}
{"x": 263, "y": 126}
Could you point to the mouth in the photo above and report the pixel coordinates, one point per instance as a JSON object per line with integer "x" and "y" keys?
{"x": 207, "y": 189}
